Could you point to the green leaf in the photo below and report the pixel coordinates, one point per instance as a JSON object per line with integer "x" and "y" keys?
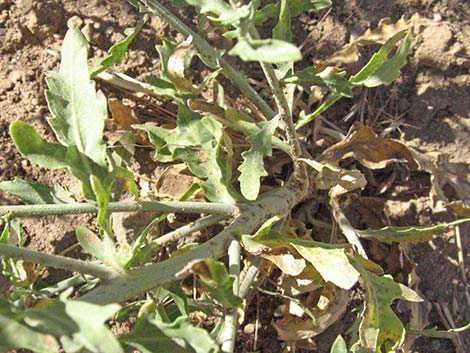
{"x": 198, "y": 142}
{"x": 79, "y": 325}
{"x": 118, "y": 50}
{"x": 103, "y": 249}
{"x": 339, "y": 345}
{"x": 331, "y": 261}
{"x": 408, "y": 234}
{"x": 218, "y": 282}
{"x": 252, "y": 168}
{"x": 266, "y": 50}
{"x": 151, "y": 335}
{"x": 378, "y": 71}
{"x": 379, "y": 323}
{"x": 15, "y": 334}
{"x": 78, "y": 113}
{"x": 32, "y": 193}
{"x": 220, "y": 11}
{"x": 31, "y": 145}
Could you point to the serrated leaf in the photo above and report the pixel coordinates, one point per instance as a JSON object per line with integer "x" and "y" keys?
{"x": 118, "y": 50}
{"x": 15, "y": 334}
{"x": 78, "y": 113}
{"x": 408, "y": 234}
{"x": 266, "y": 50}
{"x": 329, "y": 260}
{"x": 252, "y": 168}
{"x": 31, "y": 193}
{"x": 379, "y": 323}
{"x": 151, "y": 335}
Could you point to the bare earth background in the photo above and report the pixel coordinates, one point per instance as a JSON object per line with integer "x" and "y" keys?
{"x": 430, "y": 105}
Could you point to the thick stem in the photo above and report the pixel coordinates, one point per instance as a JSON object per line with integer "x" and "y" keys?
{"x": 123, "y": 206}
{"x": 213, "y": 55}
{"x": 65, "y": 263}
{"x": 279, "y": 202}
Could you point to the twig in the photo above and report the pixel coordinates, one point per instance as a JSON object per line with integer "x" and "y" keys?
{"x": 114, "y": 207}
{"x": 65, "y": 263}
{"x": 189, "y": 228}
{"x": 213, "y": 55}
{"x": 230, "y": 318}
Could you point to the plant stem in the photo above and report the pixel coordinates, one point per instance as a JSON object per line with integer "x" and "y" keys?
{"x": 189, "y": 228}
{"x": 65, "y": 263}
{"x": 281, "y": 103}
{"x": 230, "y": 319}
{"x": 134, "y": 282}
{"x": 213, "y": 55}
{"x": 114, "y": 207}
{"x": 250, "y": 275}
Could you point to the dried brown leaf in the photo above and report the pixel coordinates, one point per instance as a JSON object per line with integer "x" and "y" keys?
{"x": 445, "y": 173}
{"x": 370, "y": 150}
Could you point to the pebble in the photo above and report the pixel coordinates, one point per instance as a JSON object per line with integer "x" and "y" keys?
{"x": 75, "y": 21}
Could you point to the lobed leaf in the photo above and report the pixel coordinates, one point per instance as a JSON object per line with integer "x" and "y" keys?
{"x": 118, "y": 50}
{"x": 252, "y": 168}
{"x": 379, "y": 323}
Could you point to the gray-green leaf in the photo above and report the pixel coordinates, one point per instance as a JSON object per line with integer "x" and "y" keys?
{"x": 78, "y": 112}
{"x": 266, "y": 50}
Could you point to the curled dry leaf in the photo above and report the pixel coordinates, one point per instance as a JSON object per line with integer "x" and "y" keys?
{"x": 329, "y": 308}
{"x": 178, "y": 62}
{"x": 372, "y": 151}
{"x": 445, "y": 173}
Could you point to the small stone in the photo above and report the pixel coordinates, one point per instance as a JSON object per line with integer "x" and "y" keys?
{"x": 437, "y": 17}
{"x": 15, "y": 76}
{"x": 75, "y": 21}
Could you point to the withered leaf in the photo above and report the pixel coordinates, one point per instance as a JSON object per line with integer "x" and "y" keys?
{"x": 370, "y": 150}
